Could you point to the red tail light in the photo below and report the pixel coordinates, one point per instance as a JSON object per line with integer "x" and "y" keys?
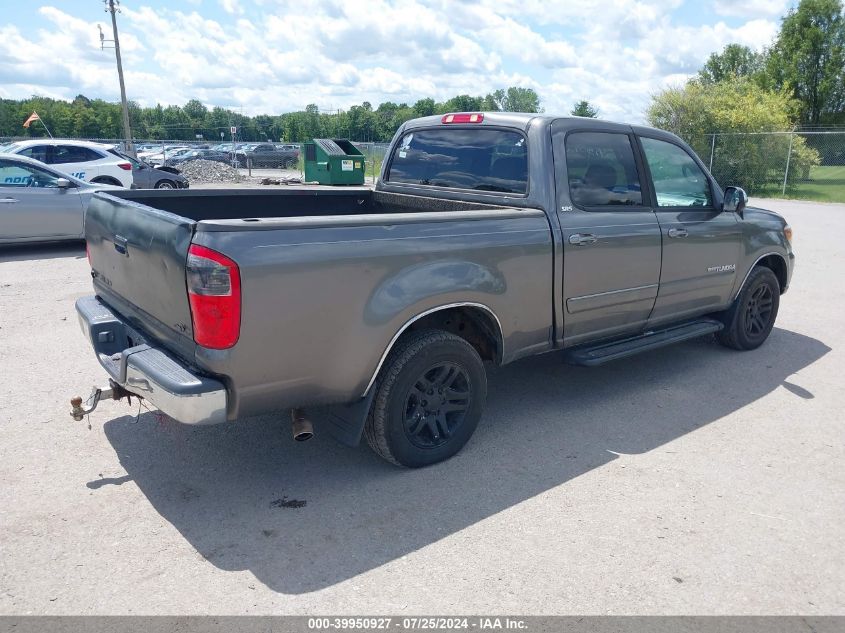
{"x": 463, "y": 117}
{"x": 214, "y": 290}
{"x": 88, "y": 254}
{"x": 125, "y": 166}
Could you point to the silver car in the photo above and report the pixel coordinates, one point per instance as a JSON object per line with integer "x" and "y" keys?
{"x": 41, "y": 204}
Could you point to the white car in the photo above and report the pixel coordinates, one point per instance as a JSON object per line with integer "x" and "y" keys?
{"x": 87, "y": 161}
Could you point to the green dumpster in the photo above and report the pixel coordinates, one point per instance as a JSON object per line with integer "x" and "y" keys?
{"x": 333, "y": 162}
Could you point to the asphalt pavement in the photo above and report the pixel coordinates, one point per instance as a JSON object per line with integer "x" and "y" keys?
{"x": 690, "y": 480}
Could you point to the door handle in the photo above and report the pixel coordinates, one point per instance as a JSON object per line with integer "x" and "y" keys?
{"x": 8, "y": 200}
{"x": 580, "y": 239}
{"x": 677, "y": 232}
{"x": 120, "y": 244}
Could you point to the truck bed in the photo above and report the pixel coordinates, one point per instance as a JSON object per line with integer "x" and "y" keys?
{"x": 324, "y": 275}
{"x": 290, "y": 202}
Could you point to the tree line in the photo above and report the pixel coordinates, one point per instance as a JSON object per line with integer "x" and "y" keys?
{"x": 95, "y": 118}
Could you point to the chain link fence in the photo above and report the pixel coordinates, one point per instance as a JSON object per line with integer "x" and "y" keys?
{"x": 805, "y": 164}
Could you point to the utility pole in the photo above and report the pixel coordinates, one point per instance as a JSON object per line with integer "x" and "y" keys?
{"x": 113, "y": 6}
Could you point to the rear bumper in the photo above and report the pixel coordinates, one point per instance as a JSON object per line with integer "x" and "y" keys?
{"x": 148, "y": 371}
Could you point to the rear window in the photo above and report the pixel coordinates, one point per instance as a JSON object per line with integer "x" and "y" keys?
{"x": 479, "y": 159}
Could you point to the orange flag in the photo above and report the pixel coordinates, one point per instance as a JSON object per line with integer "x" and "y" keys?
{"x": 32, "y": 117}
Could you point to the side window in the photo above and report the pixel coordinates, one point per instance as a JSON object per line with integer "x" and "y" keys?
{"x": 38, "y": 152}
{"x": 678, "y": 180}
{"x": 63, "y": 154}
{"x": 19, "y": 175}
{"x": 601, "y": 170}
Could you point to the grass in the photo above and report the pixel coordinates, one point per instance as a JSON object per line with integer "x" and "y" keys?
{"x": 826, "y": 184}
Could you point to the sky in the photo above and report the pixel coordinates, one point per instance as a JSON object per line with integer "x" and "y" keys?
{"x": 275, "y": 56}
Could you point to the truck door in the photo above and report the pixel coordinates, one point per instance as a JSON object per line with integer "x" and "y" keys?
{"x": 611, "y": 238}
{"x": 701, "y": 243}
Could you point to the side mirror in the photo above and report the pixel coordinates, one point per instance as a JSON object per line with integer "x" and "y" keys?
{"x": 735, "y": 200}
{"x": 63, "y": 183}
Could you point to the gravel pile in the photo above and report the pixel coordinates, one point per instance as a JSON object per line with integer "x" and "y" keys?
{"x": 200, "y": 170}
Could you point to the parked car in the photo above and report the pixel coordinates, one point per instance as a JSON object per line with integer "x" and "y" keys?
{"x": 198, "y": 154}
{"x": 265, "y": 155}
{"x": 488, "y": 237}
{"x": 159, "y": 158}
{"x": 92, "y": 162}
{"x": 41, "y": 204}
{"x": 147, "y": 176}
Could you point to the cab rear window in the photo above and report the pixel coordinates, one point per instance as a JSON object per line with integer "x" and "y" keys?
{"x": 478, "y": 159}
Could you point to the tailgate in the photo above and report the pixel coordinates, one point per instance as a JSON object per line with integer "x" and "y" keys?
{"x": 138, "y": 256}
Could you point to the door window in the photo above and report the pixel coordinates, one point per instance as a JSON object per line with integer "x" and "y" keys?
{"x": 19, "y": 175}
{"x": 601, "y": 170}
{"x": 678, "y": 180}
{"x": 63, "y": 154}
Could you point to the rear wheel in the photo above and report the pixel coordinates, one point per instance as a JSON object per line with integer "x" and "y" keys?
{"x": 429, "y": 397}
{"x": 750, "y": 319}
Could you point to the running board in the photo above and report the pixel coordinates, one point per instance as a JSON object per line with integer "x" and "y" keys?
{"x": 593, "y": 355}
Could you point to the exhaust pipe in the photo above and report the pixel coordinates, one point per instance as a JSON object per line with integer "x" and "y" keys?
{"x": 301, "y": 425}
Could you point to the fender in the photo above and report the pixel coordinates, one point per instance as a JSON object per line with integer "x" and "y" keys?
{"x": 419, "y": 316}
{"x": 757, "y": 261}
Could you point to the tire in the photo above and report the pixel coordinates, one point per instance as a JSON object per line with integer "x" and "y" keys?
{"x": 408, "y": 424}
{"x": 106, "y": 180}
{"x": 749, "y": 321}
{"x": 165, "y": 184}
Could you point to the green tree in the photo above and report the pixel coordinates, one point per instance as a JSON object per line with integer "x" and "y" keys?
{"x": 424, "y": 107}
{"x": 695, "y": 111}
{"x": 583, "y": 108}
{"x": 463, "y": 103}
{"x": 809, "y": 58}
{"x": 521, "y": 100}
{"x": 735, "y": 60}
{"x": 494, "y": 101}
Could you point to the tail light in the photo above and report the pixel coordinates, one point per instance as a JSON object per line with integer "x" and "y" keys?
{"x": 125, "y": 166}
{"x": 214, "y": 291}
{"x": 88, "y": 254}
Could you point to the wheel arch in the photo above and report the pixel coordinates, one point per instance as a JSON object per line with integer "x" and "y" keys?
{"x": 476, "y": 323}
{"x": 106, "y": 180}
{"x": 774, "y": 262}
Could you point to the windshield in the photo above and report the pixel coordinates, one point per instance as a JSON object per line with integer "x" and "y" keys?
{"x": 464, "y": 158}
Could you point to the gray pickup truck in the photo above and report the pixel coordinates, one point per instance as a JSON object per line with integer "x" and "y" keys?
{"x": 489, "y": 237}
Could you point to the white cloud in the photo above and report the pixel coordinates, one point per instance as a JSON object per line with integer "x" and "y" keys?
{"x": 751, "y": 8}
{"x": 273, "y": 56}
{"x": 233, "y": 7}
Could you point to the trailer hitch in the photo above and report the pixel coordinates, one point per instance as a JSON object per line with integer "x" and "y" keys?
{"x": 113, "y": 392}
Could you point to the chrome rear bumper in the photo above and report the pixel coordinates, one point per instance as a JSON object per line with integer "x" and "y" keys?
{"x": 147, "y": 371}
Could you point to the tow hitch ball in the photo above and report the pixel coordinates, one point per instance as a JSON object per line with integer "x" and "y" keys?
{"x": 112, "y": 392}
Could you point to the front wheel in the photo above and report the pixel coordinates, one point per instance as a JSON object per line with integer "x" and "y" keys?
{"x": 165, "y": 184}
{"x": 749, "y": 321}
{"x": 429, "y": 399}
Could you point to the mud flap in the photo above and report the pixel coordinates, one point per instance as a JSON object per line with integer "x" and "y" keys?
{"x": 345, "y": 423}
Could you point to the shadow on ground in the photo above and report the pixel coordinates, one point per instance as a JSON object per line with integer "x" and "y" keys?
{"x": 230, "y": 490}
{"x": 28, "y": 252}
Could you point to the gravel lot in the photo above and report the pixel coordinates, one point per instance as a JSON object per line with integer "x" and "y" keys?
{"x": 692, "y": 480}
